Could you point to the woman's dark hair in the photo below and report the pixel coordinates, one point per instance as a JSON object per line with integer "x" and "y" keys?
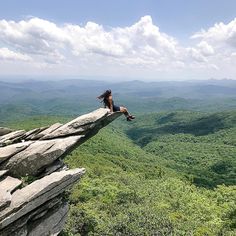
{"x": 104, "y": 97}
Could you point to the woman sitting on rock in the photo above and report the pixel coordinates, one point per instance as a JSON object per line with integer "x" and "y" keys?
{"x": 106, "y": 98}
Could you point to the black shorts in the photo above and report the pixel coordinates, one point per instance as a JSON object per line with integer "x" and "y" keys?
{"x": 116, "y": 108}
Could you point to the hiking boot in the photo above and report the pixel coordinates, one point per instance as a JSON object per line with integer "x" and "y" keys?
{"x": 130, "y": 118}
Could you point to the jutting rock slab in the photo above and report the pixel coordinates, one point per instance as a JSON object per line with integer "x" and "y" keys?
{"x": 38, "y": 208}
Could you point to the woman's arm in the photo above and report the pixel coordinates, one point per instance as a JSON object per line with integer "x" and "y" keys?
{"x": 110, "y": 103}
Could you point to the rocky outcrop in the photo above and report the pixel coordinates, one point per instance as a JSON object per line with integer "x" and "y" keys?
{"x": 4, "y": 131}
{"x": 38, "y": 208}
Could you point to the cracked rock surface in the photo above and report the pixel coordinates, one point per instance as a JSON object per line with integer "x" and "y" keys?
{"x": 38, "y": 209}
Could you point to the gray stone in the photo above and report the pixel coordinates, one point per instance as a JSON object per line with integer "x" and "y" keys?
{"x": 28, "y": 135}
{"x": 39, "y": 155}
{"x": 36, "y": 209}
{"x": 7, "y": 185}
{"x": 5, "y": 200}
{"x": 11, "y": 137}
{"x": 56, "y": 165}
{"x": 8, "y": 151}
{"x": 37, "y": 193}
{"x": 95, "y": 127}
{"x": 52, "y": 224}
{"x": 79, "y": 125}
{"x": 3, "y": 172}
{"x": 47, "y": 131}
{"x": 39, "y": 215}
{"x": 20, "y": 232}
{"x": 25, "y": 222}
{"x": 4, "y": 131}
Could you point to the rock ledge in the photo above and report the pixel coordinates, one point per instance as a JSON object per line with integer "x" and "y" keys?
{"x": 38, "y": 208}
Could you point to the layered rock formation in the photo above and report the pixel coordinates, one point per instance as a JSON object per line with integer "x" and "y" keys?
{"x": 38, "y": 208}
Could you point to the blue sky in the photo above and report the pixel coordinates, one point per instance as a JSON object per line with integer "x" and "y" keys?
{"x": 179, "y": 17}
{"x": 144, "y": 38}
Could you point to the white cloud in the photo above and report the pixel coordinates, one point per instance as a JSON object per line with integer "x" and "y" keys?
{"x": 217, "y": 46}
{"x": 97, "y": 50}
{"x": 196, "y": 55}
{"x": 45, "y": 40}
{"x": 219, "y": 39}
{"x": 36, "y": 37}
{"x": 219, "y": 34}
{"x": 6, "y": 54}
{"x": 143, "y": 40}
{"x": 205, "y": 48}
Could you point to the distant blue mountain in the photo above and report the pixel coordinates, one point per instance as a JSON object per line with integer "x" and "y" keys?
{"x": 183, "y": 89}
{"x": 73, "y": 97}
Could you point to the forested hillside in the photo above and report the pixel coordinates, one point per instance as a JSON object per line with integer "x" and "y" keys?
{"x": 171, "y": 171}
{"x": 157, "y": 175}
{"x": 202, "y": 146}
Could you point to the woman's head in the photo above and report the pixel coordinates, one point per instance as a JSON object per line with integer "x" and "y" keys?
{"x": 105, "y": 95}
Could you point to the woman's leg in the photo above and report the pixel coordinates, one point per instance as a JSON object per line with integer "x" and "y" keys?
{"x": 126, "y": 113}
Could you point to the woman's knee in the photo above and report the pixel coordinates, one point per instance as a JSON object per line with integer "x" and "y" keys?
{"x": 123, "y": 109}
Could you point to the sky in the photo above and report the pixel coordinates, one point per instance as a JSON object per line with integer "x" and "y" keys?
{"x": 123, "y": 40}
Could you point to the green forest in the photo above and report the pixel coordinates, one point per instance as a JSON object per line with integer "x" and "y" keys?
{"x": 166, "y": 173}
{"x": 170, "y": 172}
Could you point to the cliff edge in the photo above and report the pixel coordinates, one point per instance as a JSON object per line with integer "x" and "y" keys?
{"x": 38, "y": 208}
